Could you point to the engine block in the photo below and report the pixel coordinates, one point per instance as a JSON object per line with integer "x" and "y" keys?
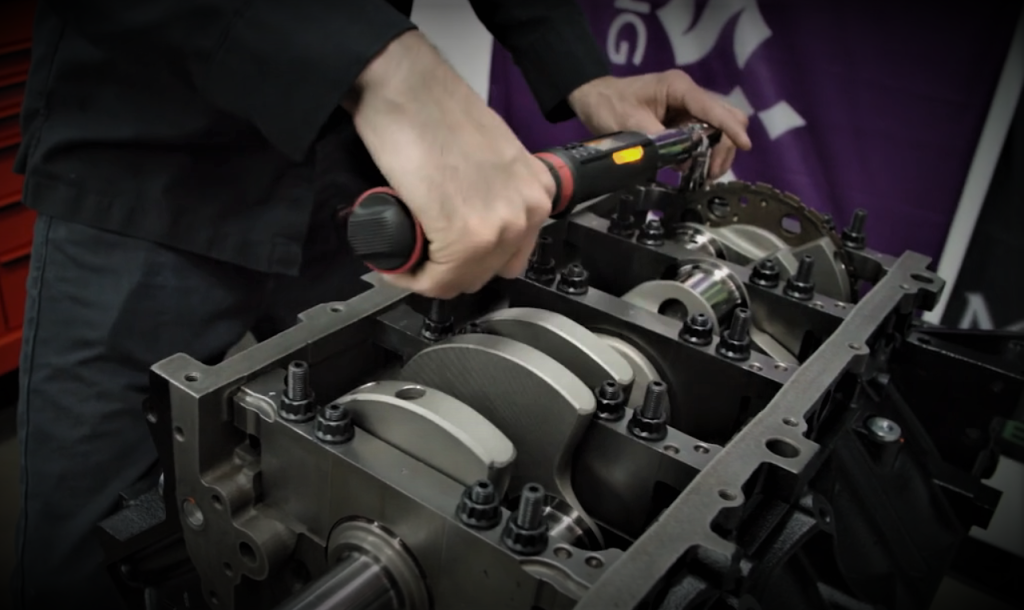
{"x": 716, "y": 402}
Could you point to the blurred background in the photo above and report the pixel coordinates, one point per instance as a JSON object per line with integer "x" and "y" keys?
{"x": 903, "y": 109}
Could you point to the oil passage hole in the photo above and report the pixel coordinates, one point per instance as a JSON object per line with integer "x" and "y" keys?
{"x": 728, "y": 496}
{"x": 534, "y": 488}
{"x": 247, "y": 552}
{"x": 791, "y": 422}
{"x": 671, "y": 449}
{"x": 411, "y": 392}
{"x": 336, "y": 309}
{"x": 214, "y": 600}
{"x": 191, "y": 377}
{"x": 920, "y": 277}
{"x": 783, "y": 448}
{"x": 702, "y": 449}
{"x": 216, "y": 501}
{"x": 563, "y": 552}
{"x": 179, "y": 433}
{"x": 230, "y": 571}
{"x": 594, "y": 561}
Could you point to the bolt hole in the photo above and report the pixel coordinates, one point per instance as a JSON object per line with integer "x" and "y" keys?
{"x": 791, "y": 225}
{"x": 179, "y": 433}
{"x": 563, "y": 552}
{"x": 702, "y": 449}
{"x": 336, "y": 309}
{"x": 728, "y": 496}
{"x": 593, "y": 561}
{"x": 671, "y": 449}
{"x": 214, "y": 599}
{"x": 191, "y": 377}
{"x": 150, "y": 411}
{"x": 791, "y": 422}
{"x": 411, "y": 392}
{"x": 247, "y": 552}
{"x": 192, "y": 513}
{"x": 840, "y": 305}
{"x": 719, "y": 207}
{"x": 818, "y": 305}
{"x": 757, "y": 368}
{"x": 920, "y": 277}
{"x": 230, "y": 571}
{"x": 781, "y": 367}
{"x": 783, "y": 448}
{"x": 217, "y": 502}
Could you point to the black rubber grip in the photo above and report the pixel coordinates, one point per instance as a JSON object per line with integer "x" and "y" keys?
{"x": 383, "y": 233}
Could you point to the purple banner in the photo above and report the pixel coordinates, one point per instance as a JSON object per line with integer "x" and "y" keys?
{"x": 852, "y": 103}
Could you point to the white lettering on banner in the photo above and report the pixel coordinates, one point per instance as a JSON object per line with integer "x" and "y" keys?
{"x": 691, "y": 42}
{"x": 694, "y": 37}
{"x": 618, "y": 50}
{"x": 977, "y": 315}
{"x": 644, "y": 8}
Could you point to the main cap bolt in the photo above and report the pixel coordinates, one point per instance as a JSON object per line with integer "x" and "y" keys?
{"x": 334, "y": 424}
{"x": 439, "y": 321}
{"x": 297, "y": 381}
{"x": 853, "y": 235}
{"x": 479, "y": 507}
{"x": 542, "y": 263}
{"x": 526, "y": 531}
{"x": 611, "y": 401}
{"x": 297, "y": 399}
{"x": 622, "y": 223}
{"x": 697, "y": 330}
{"x": 652, "y": 233}
{"x": 765, "y": 274}
{"x": 650, "y": 421}
{"x": 574, "y": 280}
{"x": 734, "y": 343}
{"x": 800, "y": 285}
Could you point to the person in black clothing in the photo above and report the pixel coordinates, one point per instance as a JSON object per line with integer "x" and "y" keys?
{"x": 186, "y": 158}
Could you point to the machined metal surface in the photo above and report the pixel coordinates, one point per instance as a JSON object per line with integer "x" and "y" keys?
{"x": 592, "y": 360}
{"x": 537, "y": 402}
{"x": 698, "y": 478}
{"x": 434, "y": 428}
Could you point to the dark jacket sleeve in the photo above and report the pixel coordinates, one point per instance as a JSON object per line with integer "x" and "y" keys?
{"x": 551, "y": 43}
{"x": 284, "y": 65}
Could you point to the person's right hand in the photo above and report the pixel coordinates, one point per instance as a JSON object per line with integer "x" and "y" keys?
{"x": 478, "y": 193}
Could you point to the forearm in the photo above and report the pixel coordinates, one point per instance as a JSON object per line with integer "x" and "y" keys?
{"x": 552, "y": 44}
{"x": 284, "y": 66}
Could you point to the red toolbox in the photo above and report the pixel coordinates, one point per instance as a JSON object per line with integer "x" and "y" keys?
{"x": 16, "y": 220}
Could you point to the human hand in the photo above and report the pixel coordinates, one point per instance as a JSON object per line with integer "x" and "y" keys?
{"x": 651, "y": 102}
{"x": 479, "y": 195}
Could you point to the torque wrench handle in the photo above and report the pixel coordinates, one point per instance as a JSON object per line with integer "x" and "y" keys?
{"x": 388, "y": 238}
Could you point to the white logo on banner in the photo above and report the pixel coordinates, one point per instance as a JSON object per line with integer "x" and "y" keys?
{"x": 977, "y": 315}
{"x": 692, "y": 40}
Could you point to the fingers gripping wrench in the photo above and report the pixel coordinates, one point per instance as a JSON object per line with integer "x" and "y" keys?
{"x": 385, "y": 235}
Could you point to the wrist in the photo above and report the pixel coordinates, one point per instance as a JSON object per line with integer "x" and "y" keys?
{"x": 406, "y": 64}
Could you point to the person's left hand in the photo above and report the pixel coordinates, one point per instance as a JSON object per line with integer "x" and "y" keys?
{"x": 651, "y": 102}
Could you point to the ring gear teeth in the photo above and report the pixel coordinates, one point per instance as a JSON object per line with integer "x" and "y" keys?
{"x": 766, "y": 208}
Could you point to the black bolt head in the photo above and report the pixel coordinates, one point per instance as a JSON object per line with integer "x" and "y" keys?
{"x": 334, "y": 424}
{"x": 652, "y": 233}
{"x": 479, "y": 507}
{"x": 611, "y": 401}
{"x": 765, "y": 274}
{"x": 574, "y": 280}
{"x": 734, "y": 344}
{"x": 697, "y": 330}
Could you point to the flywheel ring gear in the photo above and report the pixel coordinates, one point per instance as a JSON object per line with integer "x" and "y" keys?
{"x": 760, "y": 205}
